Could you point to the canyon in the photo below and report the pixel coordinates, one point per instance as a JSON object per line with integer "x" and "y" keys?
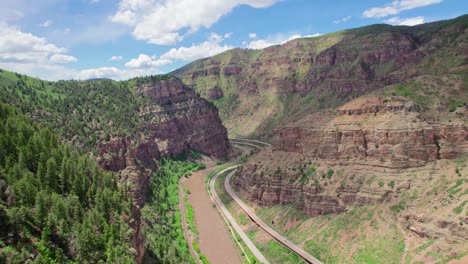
{"x": 176, "y": 120}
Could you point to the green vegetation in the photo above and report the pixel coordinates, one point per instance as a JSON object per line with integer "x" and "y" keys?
{"x": 410, "y": 90}
{"x": 55, "y": 203}
{"x": 460, "y": 208}
{"x": 398, "y": 207}
{"x": 322, "y": 236}
{"x": 86, "y": 111}
{"x": 164, "y": 237}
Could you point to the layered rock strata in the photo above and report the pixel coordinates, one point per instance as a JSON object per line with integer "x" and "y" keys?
{"x": 374, "y": 133}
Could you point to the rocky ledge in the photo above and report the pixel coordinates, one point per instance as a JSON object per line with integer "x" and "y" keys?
{"x": 368, "y": 136}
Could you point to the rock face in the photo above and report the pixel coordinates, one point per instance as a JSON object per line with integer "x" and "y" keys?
{"x": 374, "y": 133}
{"x": 174, "y": 120}
{"x": 381, "y": 132}
{"x": 336, "y": 67}
{"x": 215, "y": 93}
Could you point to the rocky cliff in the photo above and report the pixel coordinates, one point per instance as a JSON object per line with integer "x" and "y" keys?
{"x": 265, "y": 89}
{"x": 174, "y": 120}
{"x": 367, "y": 137}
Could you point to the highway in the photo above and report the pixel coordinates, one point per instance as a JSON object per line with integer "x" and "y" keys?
{"x": 249, "y": 211}
{"x": 225, "y": 212}
{"x": 283, "y": 240}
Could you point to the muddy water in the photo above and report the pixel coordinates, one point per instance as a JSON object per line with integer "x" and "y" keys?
{"x": 214, "y": 238}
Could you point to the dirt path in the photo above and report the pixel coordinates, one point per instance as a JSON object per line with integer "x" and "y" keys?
{"x": 187, "y": 233}
{"x": 213, "y": 237}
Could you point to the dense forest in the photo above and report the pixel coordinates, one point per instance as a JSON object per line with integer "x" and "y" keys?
{"x": 56, "y": 204}
{"x": 83, "y": 112}
{"x": 164, "y": 237}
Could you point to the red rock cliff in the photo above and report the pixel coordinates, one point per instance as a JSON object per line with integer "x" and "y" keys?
{"x": 174, "y": 120}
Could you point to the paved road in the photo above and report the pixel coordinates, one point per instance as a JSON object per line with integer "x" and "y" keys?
{"x": 231, "y": 219}
{"x": 283, "y": 240}
{"x": 184, "y": 222}
{"x": 252, "y": 141}
{"x": 245, "y": 143}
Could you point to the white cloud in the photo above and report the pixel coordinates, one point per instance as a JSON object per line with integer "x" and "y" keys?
{"x": 146, "y": 62}
{"x": 252, "y": 35}
{"x": 113, "y": 73}
{"x": 208, "y": 48}
{"x": 19, "y": 46}
{"x": 342, "y": 20}
{"x": 115, "y": 58}
{"x": 396, "y": 7}
{"x": 46, "y": 23}
{"x": 61, "y": 58}
{"x": 411, "y": 21}
{"x": 29, "y": 54}
{"x": 165, "y": 22}
{"x": 276, "y": 39}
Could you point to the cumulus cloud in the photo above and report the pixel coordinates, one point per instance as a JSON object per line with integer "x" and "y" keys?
{"x": 396, "y": 7}
{"x": 276, "y": 39}
{"x": 145, "y": 62}
{"x": 252, "y": 35}
{"x": 208, "y": 48}
{"x": 166, "y": 22}
{"x": 29, "y": 54}
{"x": 115, "y": 58}
{"x": 342, "y": 20}
{"x": 61, "y": 58}
{"x": 46, "y": 23}
{"x": 19, "y": 46}
{"x": 411, "y": 21}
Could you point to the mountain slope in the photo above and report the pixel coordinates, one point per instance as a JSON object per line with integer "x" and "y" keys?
{"x": 128, "y": 126}
{"x": 264, "y": 89}
{"x": 56, "y": 204}
{"x": 369, "y": 129}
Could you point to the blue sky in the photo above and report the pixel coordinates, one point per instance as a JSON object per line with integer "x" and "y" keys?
{"x": 120, "y": 39}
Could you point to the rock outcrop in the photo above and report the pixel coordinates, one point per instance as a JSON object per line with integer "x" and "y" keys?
{"x": 215, "y": 93}
{"x": 368, "y": 135}
{"x": 174, "y": 120}
{"x": 385, "y": 132}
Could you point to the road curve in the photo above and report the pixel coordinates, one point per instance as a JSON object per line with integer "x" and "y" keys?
{"x": 245, "y": 143}
{"x": 184, "y": 223}
{"x": 251, "y": 141}
{"x": 283, "y": 240}
{"x": 222, "y": 208}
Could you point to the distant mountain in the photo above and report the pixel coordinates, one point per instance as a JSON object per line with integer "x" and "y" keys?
{"x": 265, "y": 89}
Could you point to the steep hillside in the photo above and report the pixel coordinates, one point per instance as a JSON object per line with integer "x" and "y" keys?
{"x": 56, "y": 204}
{"x": 382, "y": 163}
{"x": 128, "y": 125}
{"x": 370, "y": 138}
{"x": 258, "y": 91}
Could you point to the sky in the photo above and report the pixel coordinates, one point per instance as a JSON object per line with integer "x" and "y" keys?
{"x": 121, "y": 39}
